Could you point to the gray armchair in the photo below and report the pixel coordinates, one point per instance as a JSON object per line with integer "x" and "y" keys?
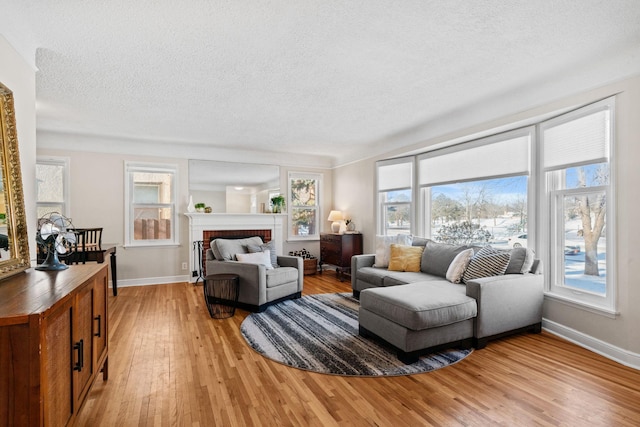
{"x": 260, "y": 286}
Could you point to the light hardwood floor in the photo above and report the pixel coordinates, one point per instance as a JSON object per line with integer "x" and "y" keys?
{"x": 170, "y": 364}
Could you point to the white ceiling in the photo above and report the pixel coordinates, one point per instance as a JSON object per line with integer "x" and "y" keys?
{"x": 321, "y": 82}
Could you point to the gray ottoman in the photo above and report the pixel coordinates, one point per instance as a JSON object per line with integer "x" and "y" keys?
{"x": 418, "y": 318}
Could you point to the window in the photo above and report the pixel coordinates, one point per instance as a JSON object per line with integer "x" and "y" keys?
{"x": 576, "y": 152}
{"x": 395, "y": 196}
{"x": 52, "y": 185}
{"x": 304, "y": 205}
{"x": 477, "y": 193}
{"x": 150, "y": 204}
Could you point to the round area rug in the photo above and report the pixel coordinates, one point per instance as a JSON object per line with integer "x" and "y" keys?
{"x": 319, "y": 333}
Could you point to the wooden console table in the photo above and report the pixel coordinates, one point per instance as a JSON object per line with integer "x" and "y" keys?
{"x": 337, "y": 249}
{"x": 99, "y": 255}
{"x": 53, "y": 343}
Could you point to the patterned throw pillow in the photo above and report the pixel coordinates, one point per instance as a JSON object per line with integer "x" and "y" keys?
{"x": 405, "y": 258}
{"x": 486, "y": 262}
{"x": 458, "y": 266}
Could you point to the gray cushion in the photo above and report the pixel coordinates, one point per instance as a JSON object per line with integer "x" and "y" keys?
{"x": 521, "y": 261}
{"x": 419, "y": 241}
{"x": 269, "y": 246}
{"x": 419, "y": 306}
{"x": 437, "y": 257}
{"x": 226, "y": 249}
{"x": 280, "y": 276}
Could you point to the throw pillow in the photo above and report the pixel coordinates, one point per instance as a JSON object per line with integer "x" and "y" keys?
{"x": 383, "y": 248}
{"x": 458, "y": 266}
{"x": 437, "y": 257}
{"x": 269, "y": 246}
{"x": 405, "y": 258}
{"x": 227, "y": 248}
{"x": 521, "y": 261}
{"x": 486, "y": 262}
{"x": 260, "y": 258}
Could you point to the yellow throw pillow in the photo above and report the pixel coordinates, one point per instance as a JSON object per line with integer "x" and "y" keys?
{"x": 405, "y": 258}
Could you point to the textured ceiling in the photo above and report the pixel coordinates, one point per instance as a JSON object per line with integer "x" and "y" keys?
{"x": 317, "y": 82}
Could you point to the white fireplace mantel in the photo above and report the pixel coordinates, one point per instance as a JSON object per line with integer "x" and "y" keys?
{"x": 201, "y": 222}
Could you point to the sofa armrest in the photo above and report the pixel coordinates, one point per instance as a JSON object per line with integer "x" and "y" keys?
{"x": 358, "y": 262}
{"x": 253, "y": 278}
{"x": 295, "y": 262}
{"x": 506, "y": 302}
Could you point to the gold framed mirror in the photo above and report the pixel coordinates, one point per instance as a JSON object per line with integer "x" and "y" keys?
{"x": 14, "y": 239}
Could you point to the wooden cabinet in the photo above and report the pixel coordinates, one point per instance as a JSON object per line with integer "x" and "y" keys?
{"x": 337, "y": 249}
{"x": 53, "y": 343}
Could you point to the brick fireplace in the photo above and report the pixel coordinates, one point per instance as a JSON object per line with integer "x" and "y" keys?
{"x": 204, "y": 227}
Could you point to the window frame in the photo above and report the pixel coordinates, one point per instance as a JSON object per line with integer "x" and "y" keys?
{"x": 552, "y": 185}
{"x": 318, "y": 177}
{"x": 65, "y": 162}
{"x": 129, "y": 170}
{"x": 381, "y": 226}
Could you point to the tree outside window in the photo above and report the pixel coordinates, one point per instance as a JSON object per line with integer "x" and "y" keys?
{"x": 304, "y": 205}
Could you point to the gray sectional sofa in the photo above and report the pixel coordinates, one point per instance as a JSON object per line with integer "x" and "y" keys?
{"x": 422, "y": 311}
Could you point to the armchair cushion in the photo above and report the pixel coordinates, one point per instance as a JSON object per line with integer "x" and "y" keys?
{"x": 281, "y": 275}
{"x": 226, "y": 249}
{"x": 260, "y": 258}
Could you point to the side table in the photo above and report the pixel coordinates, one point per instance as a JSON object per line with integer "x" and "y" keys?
{"x": 221, "y": 294}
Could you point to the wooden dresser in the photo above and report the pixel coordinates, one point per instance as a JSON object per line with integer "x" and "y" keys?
{"x": 53, "y": 343}
{"x": 337, "y": 249}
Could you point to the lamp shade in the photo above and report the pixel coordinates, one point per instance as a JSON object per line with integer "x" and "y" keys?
{"x": 336, "y": 217}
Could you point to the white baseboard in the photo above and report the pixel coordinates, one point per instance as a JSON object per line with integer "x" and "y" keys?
{"x": 123, "y": 283}
{"x": 605, "y": 349}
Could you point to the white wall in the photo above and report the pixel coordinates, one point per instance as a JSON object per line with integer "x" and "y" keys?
{"x": 20, "y": 78}
{"x": 618, "y": 338}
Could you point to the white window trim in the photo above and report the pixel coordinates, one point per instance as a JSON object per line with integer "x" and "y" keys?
{"x": 66, "y": 178}
{"x": 607, "y": 305}
{"x": 289, "y": 207}
{"x": 380, "y": 212}
{"x": 131, "y": 167}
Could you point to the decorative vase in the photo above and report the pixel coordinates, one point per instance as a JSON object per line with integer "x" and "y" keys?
{"x": 351, "y": 226}
{"x": 190, "y": 206}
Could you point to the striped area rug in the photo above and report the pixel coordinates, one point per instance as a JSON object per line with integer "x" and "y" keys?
{"x": 319, "y": 333}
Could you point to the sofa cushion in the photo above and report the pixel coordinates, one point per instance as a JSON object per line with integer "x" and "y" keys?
{"x": 372, "y": 275}
{"x": 383, "y": 247}
{"x": 393, "y": 278}
{"x": 437, "y": 257}
{"x": 458, "y": 266}
{"x": 405, "y": 258}
{"x": 420, "y": 305}
{"x": 281, "y": 275}
{"x": 260, "y": 258}
{"x": 521, "y": 261}
{"x": 487, "y": 262}
{"x": 226, "y": 249}
{"x": 269, "y": 246}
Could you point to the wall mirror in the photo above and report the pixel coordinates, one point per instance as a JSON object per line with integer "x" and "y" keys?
{"x": 14, "y": 240}
{"x": 230, "y": 187}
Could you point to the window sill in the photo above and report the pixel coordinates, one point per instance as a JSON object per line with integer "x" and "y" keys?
{"x": 592, "y": 308}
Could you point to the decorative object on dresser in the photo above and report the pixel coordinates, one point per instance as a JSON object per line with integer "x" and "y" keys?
{"x": 55, "y": 237}
{"x": 54, "y": 340}
{"x": 337, "y": 250}
{"x": 336, "y": 217}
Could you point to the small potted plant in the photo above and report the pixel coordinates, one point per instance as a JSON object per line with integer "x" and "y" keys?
{"x": 278, "y": 203}
{"x": 199, "y": 207}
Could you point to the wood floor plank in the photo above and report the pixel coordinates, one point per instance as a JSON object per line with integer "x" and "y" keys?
{"x": 171, "y": 364}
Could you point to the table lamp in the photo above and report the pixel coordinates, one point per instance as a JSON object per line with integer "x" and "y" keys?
{"x": 336, "y": 217}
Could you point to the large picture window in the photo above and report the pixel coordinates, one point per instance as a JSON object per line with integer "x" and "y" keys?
{"x": 150, "y": 211}
{"x": 304, "y": 206}
{"x": 477, "y": 193}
